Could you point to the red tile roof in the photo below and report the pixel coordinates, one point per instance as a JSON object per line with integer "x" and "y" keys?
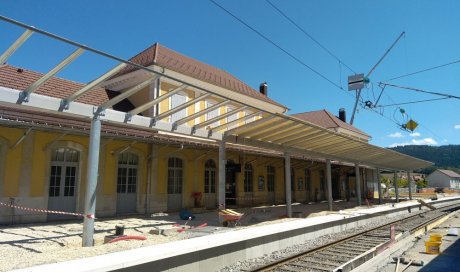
{"x": 169, "y": 59}
{"x": 327, "y": 120}
{"x": 20, "y": 79}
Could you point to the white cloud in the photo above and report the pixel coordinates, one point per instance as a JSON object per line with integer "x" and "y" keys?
{"x": 425, "y": 141}
{"x": 415, "y": 134}
{"x": 457, "y": 126}
{"x": 396, "y": 135}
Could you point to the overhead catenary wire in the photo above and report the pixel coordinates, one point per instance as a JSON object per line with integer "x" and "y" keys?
{"x": 309, "y": 35}
{"x": 422, "y": 71}
{"x": 411, "y": 102}
{"x": 420, "y": 90}
{"x": 278, "y": 46}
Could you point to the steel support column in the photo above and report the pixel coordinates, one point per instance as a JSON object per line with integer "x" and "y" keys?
{"x": 91, "y": 181}
{"x": 287, "y": 177}
{"x": 409, "y": 183}
{"x": 358, "y": 184}
{"x": 222, "y": 162}
{"x": 395, "y": 178}
{"x": 329, "y": 183}
{"x": 379, "y": 184}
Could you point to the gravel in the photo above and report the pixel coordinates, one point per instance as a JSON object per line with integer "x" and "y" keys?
{"x": 252, "y": 264}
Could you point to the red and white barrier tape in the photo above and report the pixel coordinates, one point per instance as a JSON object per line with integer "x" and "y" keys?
{"x": 90, "y": 216}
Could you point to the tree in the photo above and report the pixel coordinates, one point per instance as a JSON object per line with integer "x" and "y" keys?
{"x": 402, "y": 183}
{"x": 421, "y": 183}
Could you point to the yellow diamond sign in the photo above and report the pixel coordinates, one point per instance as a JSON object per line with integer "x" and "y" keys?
{"x": 411, "y": 125}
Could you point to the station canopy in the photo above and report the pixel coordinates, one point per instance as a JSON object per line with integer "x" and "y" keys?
{"x": 264, "y": 125}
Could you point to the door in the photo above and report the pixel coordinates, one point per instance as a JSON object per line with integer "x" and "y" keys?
{"x": 248, "y": 184}
{"x": 210, "y": 184}
{"x": 175, "y": 181}
{"x": 127, "y": 183}
{"x": 335, "y": 179}
{"x": 62, "y": 193}
{"x": 230, "y": 185}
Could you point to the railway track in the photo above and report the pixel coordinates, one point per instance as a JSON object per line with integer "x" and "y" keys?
{"x": 350, "y": 252}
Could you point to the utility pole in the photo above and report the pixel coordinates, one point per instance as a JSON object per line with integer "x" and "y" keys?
{"x": 357, "y": 82}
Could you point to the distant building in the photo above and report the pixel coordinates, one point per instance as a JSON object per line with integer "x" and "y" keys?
{"x": 444, "y": 179}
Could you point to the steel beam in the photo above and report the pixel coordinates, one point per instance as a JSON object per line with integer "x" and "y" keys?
{"x": 409, "y": 183}
{"x": 358, "y": 184}
{"x": 287, "y": 177}
{"x": 379, "y": 184}
{"x": 219, "y": 117}
{"x": 22, "y": 138}
{"x": 329, "y": 183}
{"x": 155, "y": 101}
{"x": 180, "y": 107}
{"x": 200, "y": 113}
{"x": 91, "y": 181}
{"x": 24, "y": 96}
{"x": 10, "y": 51}
{"x": 239, "y": 120}
{"x": 66, "y": 101}
{"x": 396, "y": 185}
{"x": 117, "y": 99}
{"x": 222, "y": 163}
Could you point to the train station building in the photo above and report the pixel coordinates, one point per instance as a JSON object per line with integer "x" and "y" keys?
{"x": 164, "y": 132}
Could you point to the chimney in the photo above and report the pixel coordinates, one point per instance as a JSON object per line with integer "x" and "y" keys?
{"x": 264, "y": 88}
{"x": 342, "y": 115}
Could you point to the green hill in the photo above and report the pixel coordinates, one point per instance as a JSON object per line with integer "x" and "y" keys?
{"x": 445, "y": 156}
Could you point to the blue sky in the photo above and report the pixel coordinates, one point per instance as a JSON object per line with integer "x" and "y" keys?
{"x": 357, "y": 32}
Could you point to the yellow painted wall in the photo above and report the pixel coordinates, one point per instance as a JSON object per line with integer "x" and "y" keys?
{"x": 12, "y": 161}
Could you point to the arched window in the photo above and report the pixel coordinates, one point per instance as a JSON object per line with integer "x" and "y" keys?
{"x": 127, "y": 173}
{"x": 175, "y": 175}
{"x": 210, "y": 177}
{"x": 248, "y": 177}
{"x": 307, "y": 179}
{"x": 63, "y": 174}
{"x": 270, "y": 178}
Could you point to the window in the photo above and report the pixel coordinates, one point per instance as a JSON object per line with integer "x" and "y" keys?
{"x": 270, "y": 178}
{"x": 322, "y": 180}
{"x": 175, "y": 176}
{"x": 63, "y": 174}
{"x": 232, "y": 117}
{"x": 177, "y": 100}
{"x": 127, "y": 173}
{"x": 307, "y": 179}
{"x": 292, "y": 179}
{"x": 248, "y": 177}
{"x": 249, "y": 120}
{"x": 212, "y": 114}
{"x": 210, "y": 177}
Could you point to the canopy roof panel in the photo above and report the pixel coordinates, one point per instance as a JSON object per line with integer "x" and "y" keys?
{"x": 263, "y": 125}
